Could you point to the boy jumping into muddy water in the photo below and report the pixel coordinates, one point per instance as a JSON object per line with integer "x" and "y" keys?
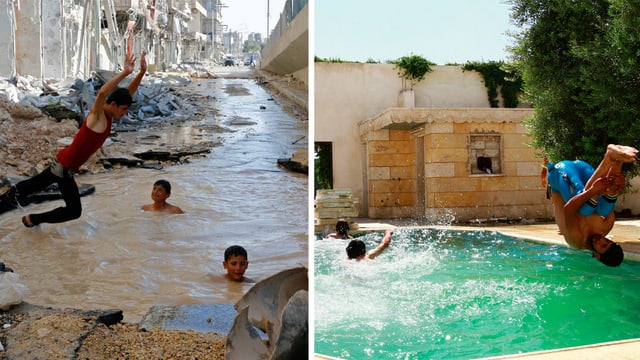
{"x": 584, "y": 200}
{"x": 111, "y": 102}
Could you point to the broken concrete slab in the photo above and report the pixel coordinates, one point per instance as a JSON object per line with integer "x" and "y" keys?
{"x": 216, "y": 318}
{"x": 153, "y": 100}
{"x": 299, "y": 162}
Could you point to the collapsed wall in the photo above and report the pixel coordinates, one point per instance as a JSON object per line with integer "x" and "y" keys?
{"x": 52, "y": 39}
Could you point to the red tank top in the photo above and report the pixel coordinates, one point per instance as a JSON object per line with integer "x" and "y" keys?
{"x": 84, "y": 144}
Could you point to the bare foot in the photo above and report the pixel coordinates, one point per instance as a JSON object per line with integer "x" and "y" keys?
{"x": 621, "y": 153}
{"x": 26, "y": 221}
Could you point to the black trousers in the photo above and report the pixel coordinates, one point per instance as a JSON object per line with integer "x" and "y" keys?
{"x": 68, "y": 188}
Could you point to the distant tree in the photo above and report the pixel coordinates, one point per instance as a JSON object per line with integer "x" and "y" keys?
{"x": 328, "y": 60}
{"x": 251, "y": 46}
{"x": 579, "y": 63}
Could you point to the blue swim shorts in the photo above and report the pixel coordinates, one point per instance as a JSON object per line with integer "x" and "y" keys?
{"x": 569, "y": 177}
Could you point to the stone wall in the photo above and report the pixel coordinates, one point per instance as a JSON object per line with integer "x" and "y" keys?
{"x": 424, "y": 163}
{"x": 512, "y": 190}
{"x": 391, "y": 174}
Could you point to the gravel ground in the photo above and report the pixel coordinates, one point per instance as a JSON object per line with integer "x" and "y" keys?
{"x": 31, "y": 332}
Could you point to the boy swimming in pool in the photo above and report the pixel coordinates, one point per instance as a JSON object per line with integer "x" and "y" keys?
{"x": 584, "y": 200}
{"x": 356, "y": 250}
{"x": 342, "y": 231}
{"x": 236, "y": 263}
{"x": 160, "y": 193}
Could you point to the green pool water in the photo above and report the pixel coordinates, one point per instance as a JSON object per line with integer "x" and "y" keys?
{"x": 437, "y": 294}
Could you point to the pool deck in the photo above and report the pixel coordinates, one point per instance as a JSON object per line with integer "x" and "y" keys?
{"x": 625, "y": 232}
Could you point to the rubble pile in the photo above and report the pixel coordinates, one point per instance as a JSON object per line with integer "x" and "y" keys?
{"x": 38, "y": 118}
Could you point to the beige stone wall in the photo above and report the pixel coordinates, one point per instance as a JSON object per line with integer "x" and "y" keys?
{"x": 391, "y": 174}
{"x": 454, "y": 188}
{"x": 451, "y": 187}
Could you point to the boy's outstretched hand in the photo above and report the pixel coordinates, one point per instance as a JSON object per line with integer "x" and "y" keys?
{"x": 129, "y": 63}
{"x": 143, "y": 62}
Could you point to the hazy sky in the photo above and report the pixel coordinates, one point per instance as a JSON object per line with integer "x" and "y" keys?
{"x": 442, "y": 31}
{"x": 248, "y": 16}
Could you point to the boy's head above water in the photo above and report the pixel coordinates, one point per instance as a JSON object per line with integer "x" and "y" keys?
{"x": 235, "y": 262}
{"x": 356, "y": 248}
{"x": 164, "y": 184}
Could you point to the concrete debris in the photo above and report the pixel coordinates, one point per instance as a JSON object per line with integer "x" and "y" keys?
{"x": 47, "y": 114}
{"x": 278, "y": 307}
{"x": 152, "y": 102}
{"x": 12, "y": 290}
{"x": 299, "y": 162}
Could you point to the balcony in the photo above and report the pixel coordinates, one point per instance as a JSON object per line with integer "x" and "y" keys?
{"x": 196, "y": 6}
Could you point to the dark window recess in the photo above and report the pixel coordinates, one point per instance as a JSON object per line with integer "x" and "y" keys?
{"x": 484, "y": 164}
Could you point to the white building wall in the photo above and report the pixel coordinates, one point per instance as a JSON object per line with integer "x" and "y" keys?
{"x": 28, "y": 39}
{"x": 7, "y": 50}
{"x": 52, "y": 42}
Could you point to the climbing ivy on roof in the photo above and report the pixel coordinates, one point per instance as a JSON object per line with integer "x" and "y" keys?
{"x": 497, "y": 74}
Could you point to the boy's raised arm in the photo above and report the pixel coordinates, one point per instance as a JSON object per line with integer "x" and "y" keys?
{"x": 386, "y": 240}
{"x": 133, "y": 85}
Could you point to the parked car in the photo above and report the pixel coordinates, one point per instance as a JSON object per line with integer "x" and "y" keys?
{"x": 230, "y": 61}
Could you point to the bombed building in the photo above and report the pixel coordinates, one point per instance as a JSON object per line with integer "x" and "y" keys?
{"x": 71, "y": 38}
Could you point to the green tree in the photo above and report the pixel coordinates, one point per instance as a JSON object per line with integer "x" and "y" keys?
{"x": 251, "y": 46}
{"x": 578, "y": 61}
{"x": 323, "y": 163}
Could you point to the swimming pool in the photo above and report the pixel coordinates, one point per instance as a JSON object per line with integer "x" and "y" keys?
{"x": 446, "y": 294}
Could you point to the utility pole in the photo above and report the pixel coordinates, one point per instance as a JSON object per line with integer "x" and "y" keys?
{"x": 267, "y": 34}
{"x": 213, "y": 30}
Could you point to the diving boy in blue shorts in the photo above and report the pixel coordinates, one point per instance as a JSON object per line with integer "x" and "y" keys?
{"x": 584, "y": 200}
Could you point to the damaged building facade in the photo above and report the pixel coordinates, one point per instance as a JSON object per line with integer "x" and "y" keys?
{"x": 71, "y": 38}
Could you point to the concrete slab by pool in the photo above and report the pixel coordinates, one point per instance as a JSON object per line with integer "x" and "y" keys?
{"x": 625, "y": 232}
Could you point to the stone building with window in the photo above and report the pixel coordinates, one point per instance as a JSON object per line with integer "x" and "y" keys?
{"x": 450, "y": 158}
{"x": 457, "y": 163}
